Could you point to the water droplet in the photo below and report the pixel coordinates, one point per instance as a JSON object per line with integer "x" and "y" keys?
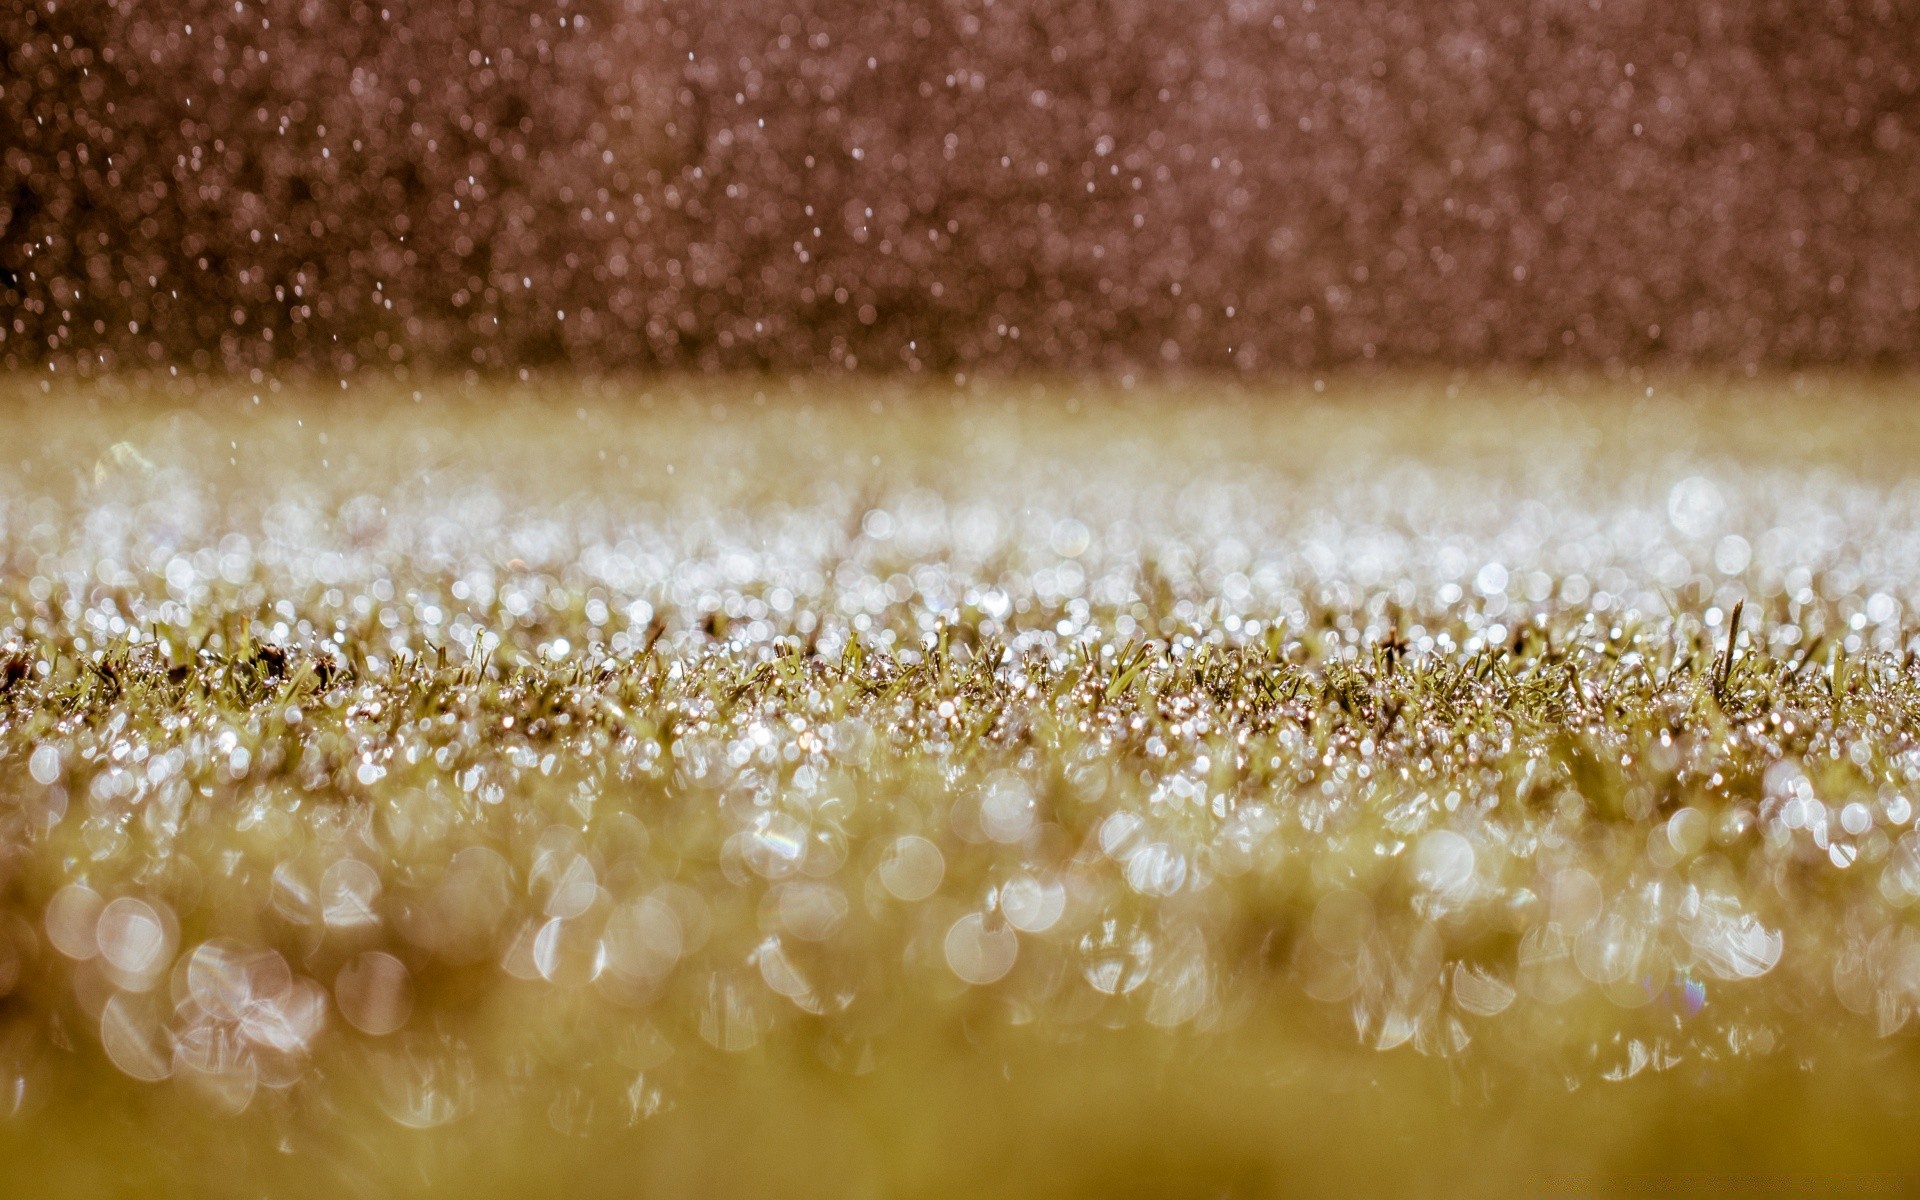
{"x": 1687, "y": 831}
{"x": 133, "y": 1033}
{"x": 811, "y": 911}
{"x": 1608, "y": 949}
{"x": 1695, "y": 506}
{"x": 1575, "y": 899}
{"x": 775, "y": 846}
{"x": 73, "y": 915}
{"x": 1342, "y": 921}
{"x": 779, "y": 970}
{"x": 571, "y": 888}
{"x": 1032, "y": 905}
{"x": 215, "y": 1062}
{"x": 225, "y": 977}
{"x": 133, "y": 937}
{"x": 1180, "y": 991}
{"x": 1546, "y": 968}
{"x": 1856, "y": 818}
{"x": 1116, "y": 959}
{"x": 374, "y": 992}
{"x": 1156, "y": 869}
{"x": 44, "y": 765}
{"x": 423, "y": 1084}
{"x": 1007, "y": 808}
{"x": 1443, "y": 864}
{"x": 731, "y": 1017}
{"x": 348, "y": 890}
{"x": 1119, "y": 832}
{"x": 1731, "y": 944}
{"x": 292, "y": 893}
{"x": 288, "y": 1023}
{"x": 569, "y": 951}
{"x": 912, "y": 868}
{"x": 1477, "y": 990}
{"x": 979, "y": 954}
{"x": 642, "y": 939}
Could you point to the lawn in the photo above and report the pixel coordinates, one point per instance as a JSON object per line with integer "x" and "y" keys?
{"x": 1413, "y": 785}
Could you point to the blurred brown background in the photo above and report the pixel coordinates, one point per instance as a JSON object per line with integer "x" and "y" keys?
{"x": 955, "y": 184}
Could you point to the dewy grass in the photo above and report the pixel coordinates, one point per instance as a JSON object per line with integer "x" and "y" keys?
{"x": 869, "y": 793}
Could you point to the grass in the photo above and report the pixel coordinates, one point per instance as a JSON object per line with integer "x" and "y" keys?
{"x": 1464, "y": 787}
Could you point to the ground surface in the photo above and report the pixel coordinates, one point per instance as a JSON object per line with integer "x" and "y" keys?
{"x": 742, "y": 789}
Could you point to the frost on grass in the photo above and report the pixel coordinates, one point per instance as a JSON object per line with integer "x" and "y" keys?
{"x": 1578, "y": 765}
